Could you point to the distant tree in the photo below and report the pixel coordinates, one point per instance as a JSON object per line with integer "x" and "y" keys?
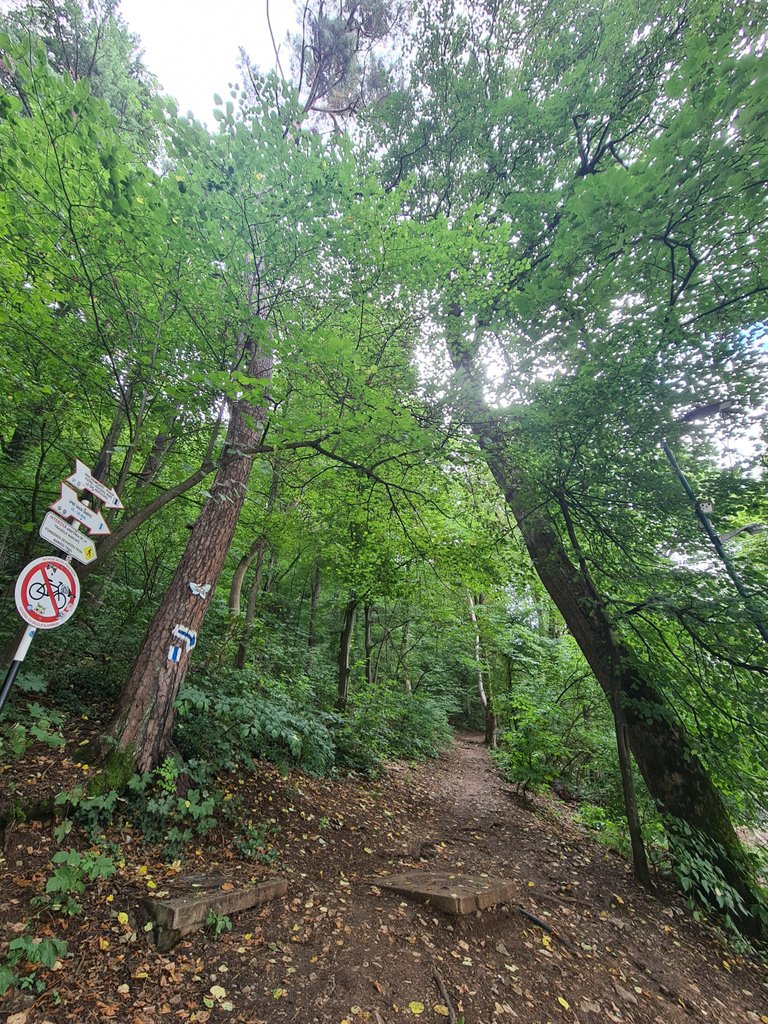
{"x": 88, "y": 39}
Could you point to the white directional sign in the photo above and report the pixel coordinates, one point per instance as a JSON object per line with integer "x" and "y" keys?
{"x": 83, "y": 480}
{"x": 67, "y": 538}
{"x": 68, "y": 507}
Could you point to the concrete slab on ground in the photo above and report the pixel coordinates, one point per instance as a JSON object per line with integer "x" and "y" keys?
{"x": 449, "y": 892}
{"x": 177, "y": 917}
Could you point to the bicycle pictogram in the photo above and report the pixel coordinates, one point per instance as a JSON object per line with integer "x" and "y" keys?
{"x": 59, "y": 592}
{"x": 47, "y": 592}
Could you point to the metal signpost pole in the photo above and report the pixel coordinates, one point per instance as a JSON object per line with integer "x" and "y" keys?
{"x": 18, "y": 658}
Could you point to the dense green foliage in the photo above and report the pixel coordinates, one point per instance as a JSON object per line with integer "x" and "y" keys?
{"x": 546, "y": 235}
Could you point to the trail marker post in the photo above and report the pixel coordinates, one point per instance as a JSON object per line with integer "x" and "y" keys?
{"x": 48, "y": 590}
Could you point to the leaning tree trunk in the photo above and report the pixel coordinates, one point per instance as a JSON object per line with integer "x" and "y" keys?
{"x": 675, "y": 777}
{"x": 142, "y": 725}
{"x": 623, "y": 749}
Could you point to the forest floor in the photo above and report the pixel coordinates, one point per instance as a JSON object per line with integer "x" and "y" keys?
{"x": 338, "y": 948}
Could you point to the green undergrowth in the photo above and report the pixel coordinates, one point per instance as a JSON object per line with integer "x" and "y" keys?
{"x": 571, "y": 754}
{"x": 26, "y": 721}
{"x": 35, "y": 951}
{"x": 235, "y": 717}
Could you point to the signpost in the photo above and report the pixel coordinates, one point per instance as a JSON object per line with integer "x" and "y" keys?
{"x": 83, "y": 480}
{"x": 69, "y": 506}
{"x": 48, "y": 590}
{"x": 68, "y": 539}
{"x": 47, "y": 594}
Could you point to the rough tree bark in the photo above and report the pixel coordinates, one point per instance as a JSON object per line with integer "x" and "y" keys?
{"x": 675, "y": 777}
{"x": 345, "y": 644}
{"x": 142, "y": 725}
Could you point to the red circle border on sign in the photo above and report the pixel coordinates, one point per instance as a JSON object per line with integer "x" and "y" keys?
{"x": 29, "y": 570}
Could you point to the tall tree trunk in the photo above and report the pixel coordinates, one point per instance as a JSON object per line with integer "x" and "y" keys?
{"x": 155, "y": 458}
{"x": 345, "y": 645}
{"x": 675, "y": 777}
{"x": 314, "y": 602}
{"x": 483, "y": 685}
{"x": 103, "y": 463}
{"x": 639, "y": 859}
{"x": 402, "y": 658}
{"x": 368, "y": 643}
{"x": 144, "y": 718}
{"x": 250, "y": 605}
{"x": 256, "y": 549}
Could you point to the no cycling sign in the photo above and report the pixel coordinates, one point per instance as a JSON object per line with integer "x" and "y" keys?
{"x": 47, "y": 593}
{"x": 48, "y": 590}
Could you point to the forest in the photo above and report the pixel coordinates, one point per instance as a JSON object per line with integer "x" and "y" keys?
{"x": 427, "y": 393}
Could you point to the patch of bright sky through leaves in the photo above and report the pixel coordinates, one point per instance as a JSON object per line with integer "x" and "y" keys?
{"x": 192, "y": 46}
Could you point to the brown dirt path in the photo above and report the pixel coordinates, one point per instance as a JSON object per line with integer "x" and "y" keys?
{"x": 340, "y": 949}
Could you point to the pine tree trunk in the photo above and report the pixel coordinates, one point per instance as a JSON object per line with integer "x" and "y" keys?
{"x": 144, "y": 719}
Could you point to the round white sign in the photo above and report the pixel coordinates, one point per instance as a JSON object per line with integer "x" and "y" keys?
{"x": 47, "y": 592}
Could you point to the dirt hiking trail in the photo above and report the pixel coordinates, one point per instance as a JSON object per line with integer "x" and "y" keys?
{"x": 339, "y": 949}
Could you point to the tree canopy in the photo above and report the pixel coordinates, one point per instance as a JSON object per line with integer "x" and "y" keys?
{"x": 386, "y": 370}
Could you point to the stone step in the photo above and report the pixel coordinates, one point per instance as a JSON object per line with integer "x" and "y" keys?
{"x": 449, "y": 892}
{"x": 176, "y": 917}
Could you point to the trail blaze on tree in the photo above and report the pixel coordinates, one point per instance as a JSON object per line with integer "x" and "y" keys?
{"x": 144, "y": 716}
{"x": 501, "y": 261}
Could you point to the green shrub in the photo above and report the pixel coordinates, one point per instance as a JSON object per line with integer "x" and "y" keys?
{"x": 28, "y": 722}
{"x": 386, "y": 722}
{"x": 693, "y": 859}
{"x": 163, "y": 817}
{"x": 92, "y": 813}
{"x": 228, "y": 723}
{"x": 255, "y": 842}
{"x": 25, "y": 949}
{"x": 530, "y": 753}
{"x": 71, "y": 871}
{"x": 217, "y": 923}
